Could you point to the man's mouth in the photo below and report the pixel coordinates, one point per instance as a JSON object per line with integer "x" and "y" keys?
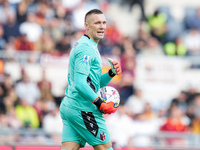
{"x": 101, "y": 32}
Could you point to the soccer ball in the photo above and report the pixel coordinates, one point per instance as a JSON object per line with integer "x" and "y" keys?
{"x": 108, "y": 94}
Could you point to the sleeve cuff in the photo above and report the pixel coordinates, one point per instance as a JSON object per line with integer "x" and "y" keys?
{"x": 111, "y": 74}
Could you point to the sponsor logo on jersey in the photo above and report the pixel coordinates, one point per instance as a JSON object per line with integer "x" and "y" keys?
{"x": 102, "y": 136}
{"x": 85, "y": 59}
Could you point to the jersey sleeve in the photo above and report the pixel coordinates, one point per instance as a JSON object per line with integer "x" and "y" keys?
{"x": 83, "y": 59}
{"x": 105, "y": 79}
{"x": 83, "y": 63}
{"x": 84, "y": 89}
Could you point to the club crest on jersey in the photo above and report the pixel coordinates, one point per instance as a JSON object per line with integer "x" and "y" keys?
{"x": 102, "y": 136}
{"x": 85, "y": 59}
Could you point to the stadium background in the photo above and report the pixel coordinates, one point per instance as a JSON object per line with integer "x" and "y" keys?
{"x": 159, "y": 51}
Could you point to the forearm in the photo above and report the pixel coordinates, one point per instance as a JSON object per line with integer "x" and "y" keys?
{"x": 83, "y": 88}
{"x": 86, "y": 91}
{"x": 105, "y": 79}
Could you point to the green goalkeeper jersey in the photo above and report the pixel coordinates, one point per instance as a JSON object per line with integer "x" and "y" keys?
{"x": 84, "y": 59}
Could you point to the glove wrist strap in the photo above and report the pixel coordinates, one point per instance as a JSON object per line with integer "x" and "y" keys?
{"x": 98, "y": 102}
{"x": 110, "y": 73}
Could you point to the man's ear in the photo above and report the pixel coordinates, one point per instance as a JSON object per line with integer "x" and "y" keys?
{"x": 86, "y": 25}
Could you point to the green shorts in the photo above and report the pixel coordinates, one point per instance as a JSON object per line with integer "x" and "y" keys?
{"x": 82, "y": 127}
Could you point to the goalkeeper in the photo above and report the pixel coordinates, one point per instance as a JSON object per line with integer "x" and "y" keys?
{"x": 81, "y": 109}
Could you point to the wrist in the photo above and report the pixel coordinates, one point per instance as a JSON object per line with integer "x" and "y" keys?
{"x": 111, "y": 74}
{"x": 98, "y": 101}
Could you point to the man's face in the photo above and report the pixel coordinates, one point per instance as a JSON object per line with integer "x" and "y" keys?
{"x": 95, "y": 26}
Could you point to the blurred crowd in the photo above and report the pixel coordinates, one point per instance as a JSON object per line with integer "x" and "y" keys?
{"x": 52, "y": 26}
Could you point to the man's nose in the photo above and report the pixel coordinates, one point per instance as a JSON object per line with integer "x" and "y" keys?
{"x": 102, "y": 25}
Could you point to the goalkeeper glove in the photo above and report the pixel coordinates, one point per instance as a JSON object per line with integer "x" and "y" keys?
{"x": 115, "y": 68}
{"x": 106, "y": 108}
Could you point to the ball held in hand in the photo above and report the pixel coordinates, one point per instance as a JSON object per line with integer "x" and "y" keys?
{"x": 108, "y": 94}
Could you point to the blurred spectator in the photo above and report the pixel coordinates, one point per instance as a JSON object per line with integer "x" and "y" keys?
{"x": 9, "y": 103}
{"x": 181, "y": 101}
{"x": 5, "y": 10}
{"x": 105, "y": 46}
{"x": 192, "y": 93}
{"x": 112, "y": 33}
{"x": 2, "y": 40}
{"x": 27, "y": 114}
{"x": 135, "y": 103}
{"x": 7, "y": 84}
{"x": 23, "y": 44}
{"x": 195, "y": 130}
{"x": 152, "y": 48}
{"x": 52, "y": 123}
{"x": 144, "y": 128}
{"x": 78, "y": 14}
{"x": 10, "y": 98}
{"x": 13, "y": 121}
{"x": 10, "y": 48}
{"x": 195, "y": 125}
{"x": 112, "y": 37}
{"x": 32, "y": 29}
{"x": 23, "y": 72}
{"x": 142, "y": 37}
{"x": 148, "y": 112}
{"x": 3, "y": 121}
{"x": 39, "y": 107}
{"x": 128, "y": 53}
{"x": 157, "y": 23}
{"x": 79, "y": 11}
{"x": 45, "y": 88}
{"x": 13, "y": 2}
{"x": 45, "y": 43}
{"x": 11, "y": 28}
{"x": 27, "y": 90}
{"x": 131, "y": 3}
{"x": 56, "y": 29}
{"x": 21, "y": 11}
{"x": 174, "y": 123}
{"x": 196, "y": 104}
{"x": 60, "y": 13}
{"x": 175, "y": 48}
{"x": 2, "y": 105}
{"x": 4, "y": 126}
{"x": 120, "y": 127}
{"x": 70, "y": 5}
{"x": 190, "y": 113}
{"x": 41, "y": 14}
{"x": 126, "y": 85}
{"x": 64, "y": 45}
{"x": 12, "y": 94}
{"x": 69, "y": 27}
{"x": 192, "y": 42}
{"x": 116, "y": 51}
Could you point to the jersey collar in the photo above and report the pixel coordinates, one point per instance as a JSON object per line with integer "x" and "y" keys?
{"x": 86, "y": 36}
{"x": 93, "y": 43}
